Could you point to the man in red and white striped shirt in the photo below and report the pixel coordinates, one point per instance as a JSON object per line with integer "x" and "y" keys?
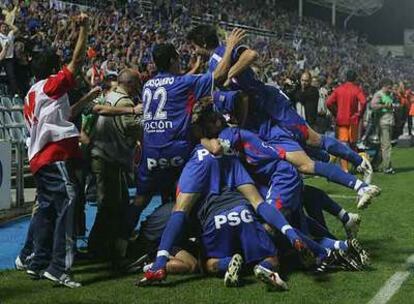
{"x": 53, "y": 151}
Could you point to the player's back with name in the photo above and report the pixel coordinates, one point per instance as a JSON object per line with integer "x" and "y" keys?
{"x": 168, "y": 100}
{"x": 216, "y": 178}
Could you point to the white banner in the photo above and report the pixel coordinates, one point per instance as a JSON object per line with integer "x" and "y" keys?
{"x": 61, "y": 5}
{"x": 409, "y": 37}
{"x": 5, "y": 175}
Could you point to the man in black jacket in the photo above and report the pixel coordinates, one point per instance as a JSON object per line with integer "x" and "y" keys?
{"x": 306, "y": 99}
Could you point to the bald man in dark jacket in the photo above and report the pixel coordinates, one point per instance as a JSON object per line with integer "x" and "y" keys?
{"x": 306, "y": 99}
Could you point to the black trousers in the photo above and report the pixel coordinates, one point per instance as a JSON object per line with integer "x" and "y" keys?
{"x": 8, "y": 65}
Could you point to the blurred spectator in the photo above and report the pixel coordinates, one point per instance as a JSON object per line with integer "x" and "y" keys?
{"x": 306, "y": 98}
{"x": 22, "y": 67}
{"x": 410, "y": 114}
{"x": 7, "y": 33}
{"x": 112, "y": 152}
{"x": 347, "y": 104}
{"x": 10, "y": 11}
{"x": 323, "y": 120}
{"x": 405, "y": 95}
{"x": 382, "y": 103}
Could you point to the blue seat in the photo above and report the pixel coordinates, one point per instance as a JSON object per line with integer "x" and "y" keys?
{"x": 17, "y": 116}
{"x": 7, "y": 103}
{"x": 17, "y": 101}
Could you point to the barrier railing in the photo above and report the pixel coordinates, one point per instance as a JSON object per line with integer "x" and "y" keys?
{"x": 13, "y": 155}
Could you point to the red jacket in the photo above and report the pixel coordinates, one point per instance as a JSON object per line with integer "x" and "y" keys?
{"x": 347, "y": 103}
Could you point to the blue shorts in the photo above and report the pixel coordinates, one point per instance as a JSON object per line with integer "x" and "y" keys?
{"x": 160, "y": 168}
{"x": 285, "y": 139}
{"x": 318, "y": 154}
{"x": 285, "y": 187}
{"x": 224, "y": 101}
{"x": 281, "y": 112}
{"x": 237, "y": 231}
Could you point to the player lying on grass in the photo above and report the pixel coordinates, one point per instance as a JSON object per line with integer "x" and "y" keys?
{"x": 204, "y": 179}
{"x": 269, "y": 106}
{"x": 184, "y": 254}
{"x": 263, "y": 158}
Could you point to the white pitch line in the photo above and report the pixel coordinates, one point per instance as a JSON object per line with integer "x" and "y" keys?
{"x": 342, "y": 196}
{"x": 393, "y": 284}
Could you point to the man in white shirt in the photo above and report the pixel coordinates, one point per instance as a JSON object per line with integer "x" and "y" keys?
{"x": 7, "y": 40}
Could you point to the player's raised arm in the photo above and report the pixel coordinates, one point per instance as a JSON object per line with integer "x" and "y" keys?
{"x": 80, "y": 48}
{"x": 246, "y": 58}
{"x": 220, "y": 74}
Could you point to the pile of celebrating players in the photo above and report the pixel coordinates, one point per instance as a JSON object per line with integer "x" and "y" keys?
{"x": 226, "y": 152}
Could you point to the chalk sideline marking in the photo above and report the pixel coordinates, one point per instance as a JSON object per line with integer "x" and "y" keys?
{"x": 393, "y": 284}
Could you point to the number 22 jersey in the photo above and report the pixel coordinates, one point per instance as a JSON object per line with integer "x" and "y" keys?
{"x": 168, "y": 102}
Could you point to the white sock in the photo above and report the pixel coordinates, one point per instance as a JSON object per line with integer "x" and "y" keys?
{"x": 146, "y": 267}
{"x": 358, "y": 184}
{"x": 361, "y": 190}
{"x": 341, "y": 214}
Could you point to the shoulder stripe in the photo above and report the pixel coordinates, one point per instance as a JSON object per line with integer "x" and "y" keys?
{"x": 216, "y": 57}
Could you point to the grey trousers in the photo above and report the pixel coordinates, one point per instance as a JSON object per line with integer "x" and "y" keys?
{"x": 385, "y": 139}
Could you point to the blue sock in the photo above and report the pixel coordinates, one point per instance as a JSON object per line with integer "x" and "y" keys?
{"x": 266, "y": 264}
{"x": 273, "y": 217}
{"x": 317, "y": 249}
{"x": 335, "y": 174}
{"x": 333, "y": 244}
{"x": 223, "y": 264}
{"x": 317, "y": 154}
{"x": 171, "y": 233}
{"x": 335, "y": 147}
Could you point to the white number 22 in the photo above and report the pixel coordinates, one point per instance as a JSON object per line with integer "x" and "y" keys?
{"x": 160, "y": 94}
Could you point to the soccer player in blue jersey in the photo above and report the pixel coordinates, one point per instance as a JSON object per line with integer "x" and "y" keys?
{"x": 266, "y": 160}
{"x": 271, "y": 106}
{"x": 233, "y": 104}
{"x": 209, "y": 185}
{"x": 168, "y": 100}
{"x": 282, "y": 185}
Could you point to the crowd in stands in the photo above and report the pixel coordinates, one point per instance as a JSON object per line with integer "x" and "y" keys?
{"x": 124, "y": 36}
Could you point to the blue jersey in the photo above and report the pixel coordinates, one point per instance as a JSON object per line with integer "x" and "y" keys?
{"x": 224, "y": 101}
{"x": 260, "y": 156}
{"x": 207, "y": 174}
{"x": 168, "y": 102}
{"x": 210, "y": 176}
{"x": 247, "y": 80}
